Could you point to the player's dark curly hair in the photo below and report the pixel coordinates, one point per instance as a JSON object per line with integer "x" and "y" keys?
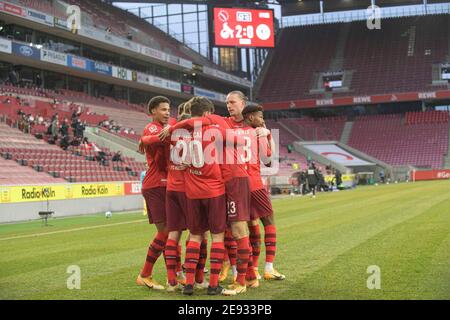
{"x": 248, "y": 110}
{"x": 155, "y": 102}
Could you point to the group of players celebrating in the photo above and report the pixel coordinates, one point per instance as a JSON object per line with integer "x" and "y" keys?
{"x": 204, "y": 175}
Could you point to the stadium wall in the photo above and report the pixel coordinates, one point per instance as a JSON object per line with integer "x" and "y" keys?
{"x": 114, "y": 143}
{"x": 16, "y": 212}
{"x": 430, "y": 175}
{"x": 21, "y": 203}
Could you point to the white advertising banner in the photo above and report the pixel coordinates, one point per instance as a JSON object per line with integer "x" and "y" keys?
{"x": 172, "y": 85}
{"x": 54, "y": 57}
{"x": 172, "y": 59}
{"x": 91, "y": 33}
{"x": 225, "y": 76}
{"x": 210, "y": 94}
{"x": 109, "y": 38}
{"x": 60, "y": 23}
{"x": 165, "y": 84}
{"x": 5, "y": 46}
{"x": 186, "y": 63}
{"x": 26, "y": 13}
{"x": 150, "y": 52}
{"x": 122, "y": 73}
{"x": 337, "y": 154}
{"x": 121, "y": 42}
{"x": 40, "y": 17}
{"x": 13, "y": 9}
{"x": 143, "y": 78}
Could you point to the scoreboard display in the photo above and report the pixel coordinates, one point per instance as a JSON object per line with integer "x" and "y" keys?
{"x": 241, "y": 27}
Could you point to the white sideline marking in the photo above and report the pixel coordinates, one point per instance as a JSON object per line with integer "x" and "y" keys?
{"x": 71, "y": 230}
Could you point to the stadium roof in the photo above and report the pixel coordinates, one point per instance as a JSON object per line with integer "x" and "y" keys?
{"x": 296, "y": 7}
{"x": 210, "y": 2}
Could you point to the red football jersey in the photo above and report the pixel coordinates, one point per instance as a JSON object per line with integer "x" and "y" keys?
{"x": 236, "y": 140}
{"x": 178, "y": 161}
{"x": 254, "y": 166}
{"x": 238, "y": 168}
{"x": 155, "y": 153}
{"x": 172, "y": 121}
{"x": 203, "y": 176}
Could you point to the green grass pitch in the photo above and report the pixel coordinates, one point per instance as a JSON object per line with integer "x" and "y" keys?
{"x": 325, "y": 246}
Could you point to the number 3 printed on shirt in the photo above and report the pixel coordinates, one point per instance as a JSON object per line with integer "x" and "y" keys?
{"x": 231, "y": 208}
{"x": 246, "y": 155}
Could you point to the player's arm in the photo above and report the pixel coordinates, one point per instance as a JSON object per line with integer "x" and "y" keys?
{"x": 226, "y": 130}
{"x": 149, "y": 140}
{"x": 265, "y": 151}
{"x": 211, "y": 119}
{"x": 272, "y": 150}
{"x": 188, "y": 124}
{"x": 218, "y": 120}
{"x": 267, "y": 144}
{"x": 152, "y": 140}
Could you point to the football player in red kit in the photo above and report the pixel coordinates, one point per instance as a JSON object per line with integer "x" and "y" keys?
{"x": 154, "y": 187}
{"x": 261, "y": 206}
{"x": 237, "y": 185}
{"x": 175, "y": 204}
{"x": 238, "y": 198}
{"x": 206, "y": 202}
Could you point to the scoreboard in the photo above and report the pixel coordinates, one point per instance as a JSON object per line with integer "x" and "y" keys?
{"x": 242, "y": 27}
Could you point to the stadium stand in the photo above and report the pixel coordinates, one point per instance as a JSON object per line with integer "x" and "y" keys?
{"x": 416, "y": 138}
{"x": 80, "y": 97}
{"x": 41, "y": 5}
{"x": 75, "y": 164}
{"x": 12, "y": 173}
{"x": 10, "y": 105}
{"x": 406, "y": 42}
{"x": 300, "y": 53}
{"x": 305, "y": 51}
{"x": 286, "y": 137}
{"x": 127, "y": 118}
{"x": 74, "y": 96}
{"x": 321, "y": 129}
{"x": 288, "y": 160}
{"x": 426, "y": 117}
{"x": 371, "y": 134}
{"x": 121, "y": 118}
{"x": 419, "y": 139}
{"x": 100, "y": 15}
{"x": 125, "y": 114}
